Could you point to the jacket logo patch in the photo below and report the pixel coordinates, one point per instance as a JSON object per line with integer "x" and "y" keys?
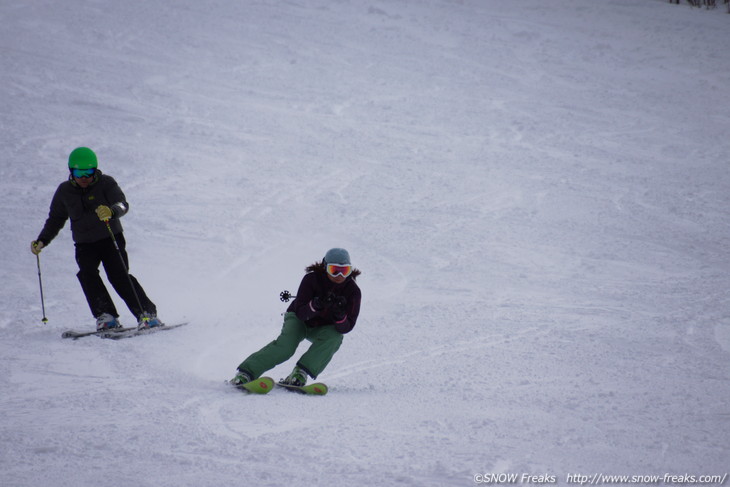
{"x": 91, "y": 197}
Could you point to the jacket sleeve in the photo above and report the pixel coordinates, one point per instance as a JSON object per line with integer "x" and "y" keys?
{"x": 57, "y": 216}
{"x": 115, "y": 196}
{"x": 306, "y": 292}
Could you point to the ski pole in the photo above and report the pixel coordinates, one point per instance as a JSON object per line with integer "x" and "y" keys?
{"x": 124, "y": 265}
{"x": 40, "y": 284}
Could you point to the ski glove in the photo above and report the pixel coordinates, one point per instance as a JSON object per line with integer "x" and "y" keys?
{"x": 339, "y": 304}
{"x": 328, "y": 302}
{"x": 104, "y": 213}
{"x": 36, "y": 246}
{"x": 318, "y": 304}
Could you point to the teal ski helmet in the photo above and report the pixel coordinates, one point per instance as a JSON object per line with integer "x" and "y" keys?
{"x": 337, "y": 256}
{"x": 82, "y": 158}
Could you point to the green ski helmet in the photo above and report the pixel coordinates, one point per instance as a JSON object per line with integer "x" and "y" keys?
{"x": 82, "y": 158}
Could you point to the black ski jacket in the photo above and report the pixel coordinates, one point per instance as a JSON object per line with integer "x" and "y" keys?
{"x": 71, "y": 202}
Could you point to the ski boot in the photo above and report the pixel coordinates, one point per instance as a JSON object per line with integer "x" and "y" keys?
{"x": 297, "y": 378}
{"x": 105, "y": 321}
{"x": 241, "y": 378}
{"x": 148, "y": 320}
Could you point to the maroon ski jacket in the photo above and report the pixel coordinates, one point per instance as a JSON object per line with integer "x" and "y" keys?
{"x": 317, "y": 283}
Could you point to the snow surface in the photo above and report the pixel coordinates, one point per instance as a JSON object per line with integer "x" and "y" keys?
{"x": 536, "y": 192}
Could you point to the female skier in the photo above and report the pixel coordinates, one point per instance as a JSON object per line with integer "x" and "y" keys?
{"x": 325, "y": 308}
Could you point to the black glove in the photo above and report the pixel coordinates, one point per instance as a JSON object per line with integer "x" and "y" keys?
{"x": 318, "y": 304}
{"x": 339, "y": 305}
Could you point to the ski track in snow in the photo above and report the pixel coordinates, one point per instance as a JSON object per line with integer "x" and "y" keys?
{"x": 537, "y": 196}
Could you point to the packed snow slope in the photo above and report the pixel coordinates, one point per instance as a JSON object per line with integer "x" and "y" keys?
{"x": 536, "y": 193}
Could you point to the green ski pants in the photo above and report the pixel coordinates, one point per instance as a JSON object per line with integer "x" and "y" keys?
{"x": 325, "y": 343}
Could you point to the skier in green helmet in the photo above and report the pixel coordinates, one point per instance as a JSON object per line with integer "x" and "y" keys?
{"x": 94, "y": 203}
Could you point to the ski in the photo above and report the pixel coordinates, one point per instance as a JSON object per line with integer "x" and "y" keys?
{"x": 144, "y": 331}
{"x": 262, "y": 385}
{"x": 101, "y": 333}
{"x": 316, "y": 389}
{"x": 119, "y": 333}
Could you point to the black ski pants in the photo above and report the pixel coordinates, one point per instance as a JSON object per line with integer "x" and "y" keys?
{"x": 88, "y": 257}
